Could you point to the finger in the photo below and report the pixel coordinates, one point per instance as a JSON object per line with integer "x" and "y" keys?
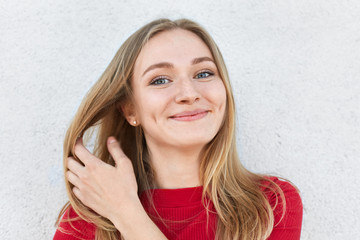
{"x": 74, "y": 166}
{"x": 73, "y": 179}
{"x": 115, "y": 150}
{"x": 84, "y": 155}
{"x": 78, "y": 194}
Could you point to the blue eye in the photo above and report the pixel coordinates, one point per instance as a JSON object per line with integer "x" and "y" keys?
{"x": 204, "y": 75}
{"x": 159, "y": 81}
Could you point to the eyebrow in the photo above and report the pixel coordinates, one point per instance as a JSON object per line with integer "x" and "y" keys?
{"x": 170, "y": 65}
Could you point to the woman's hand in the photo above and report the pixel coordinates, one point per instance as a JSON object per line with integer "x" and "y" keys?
{"x": 105, "y": 189}
{"x": 111, "y": 191}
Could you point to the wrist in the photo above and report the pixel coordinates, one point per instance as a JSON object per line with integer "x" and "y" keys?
{"x": 134, "y": 223}
{"x": 125, "y": 214}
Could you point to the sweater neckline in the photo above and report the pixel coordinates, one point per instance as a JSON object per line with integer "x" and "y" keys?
{"x": 172, "y": 198}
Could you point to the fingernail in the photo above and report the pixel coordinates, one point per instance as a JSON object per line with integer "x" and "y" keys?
{"x": 111, "y": 140}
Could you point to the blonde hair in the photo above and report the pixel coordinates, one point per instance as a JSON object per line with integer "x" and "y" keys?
{"x": 242, "y": 208}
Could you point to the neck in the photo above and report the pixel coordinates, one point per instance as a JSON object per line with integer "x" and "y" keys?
{"x": 175, "y": 167}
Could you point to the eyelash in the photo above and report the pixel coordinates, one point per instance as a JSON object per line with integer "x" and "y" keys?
{"x": 206, "y": 71}
{"x": 153, "y": 82}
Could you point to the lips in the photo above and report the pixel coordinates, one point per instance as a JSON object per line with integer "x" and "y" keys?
{"x": 190, "y": 115}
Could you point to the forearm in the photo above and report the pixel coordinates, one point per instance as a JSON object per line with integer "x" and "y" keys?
{"x": 135, "y": 224}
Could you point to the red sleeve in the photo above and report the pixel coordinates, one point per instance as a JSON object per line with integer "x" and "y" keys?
{"x": 74, "y": 230}
{"x": 289, "y": 227}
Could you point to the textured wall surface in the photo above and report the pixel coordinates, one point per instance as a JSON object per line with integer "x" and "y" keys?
{"x": 295, "y": 70}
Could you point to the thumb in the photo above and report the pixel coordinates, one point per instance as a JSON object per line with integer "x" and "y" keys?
{"x": 116, "y": 151}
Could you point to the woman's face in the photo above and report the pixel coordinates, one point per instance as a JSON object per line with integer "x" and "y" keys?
{"x": 179, "y": 96}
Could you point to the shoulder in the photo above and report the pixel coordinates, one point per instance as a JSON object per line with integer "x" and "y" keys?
{"x": 288, "y": 209}
{"x": 72, "y": 227}
{"x": 274, "y": 184}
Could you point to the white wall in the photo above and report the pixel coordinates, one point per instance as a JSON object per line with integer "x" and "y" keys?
{"x": 294, "y": 66}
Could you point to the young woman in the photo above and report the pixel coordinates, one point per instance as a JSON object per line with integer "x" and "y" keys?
{"x": 165, "y": 164}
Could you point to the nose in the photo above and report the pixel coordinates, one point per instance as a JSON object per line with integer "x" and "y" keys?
{"x": 187, "y": 92}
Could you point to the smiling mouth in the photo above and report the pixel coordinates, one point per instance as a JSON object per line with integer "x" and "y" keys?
{"x": 190, "y": 116}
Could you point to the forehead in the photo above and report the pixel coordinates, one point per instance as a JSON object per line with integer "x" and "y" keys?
{"x": 175, "y": 46}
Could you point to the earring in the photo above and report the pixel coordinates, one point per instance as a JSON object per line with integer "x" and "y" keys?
{"x": 134, "y": 122}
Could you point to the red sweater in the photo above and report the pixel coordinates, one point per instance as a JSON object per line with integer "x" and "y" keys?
{"x": 186, "y": 218}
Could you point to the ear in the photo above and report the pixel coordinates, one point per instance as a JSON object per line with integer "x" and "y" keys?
{"x": 128, "y": 109}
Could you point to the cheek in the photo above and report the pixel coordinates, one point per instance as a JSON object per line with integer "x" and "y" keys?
{"x": 218, "y": 94}
{"x": 152, "y": 105}
{"x": 219, "y": 99}
{"x": 223, "y": 101}
{"x": 222, "y": 95}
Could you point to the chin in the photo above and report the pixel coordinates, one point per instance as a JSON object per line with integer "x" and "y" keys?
{"x": 193, "y": 142}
